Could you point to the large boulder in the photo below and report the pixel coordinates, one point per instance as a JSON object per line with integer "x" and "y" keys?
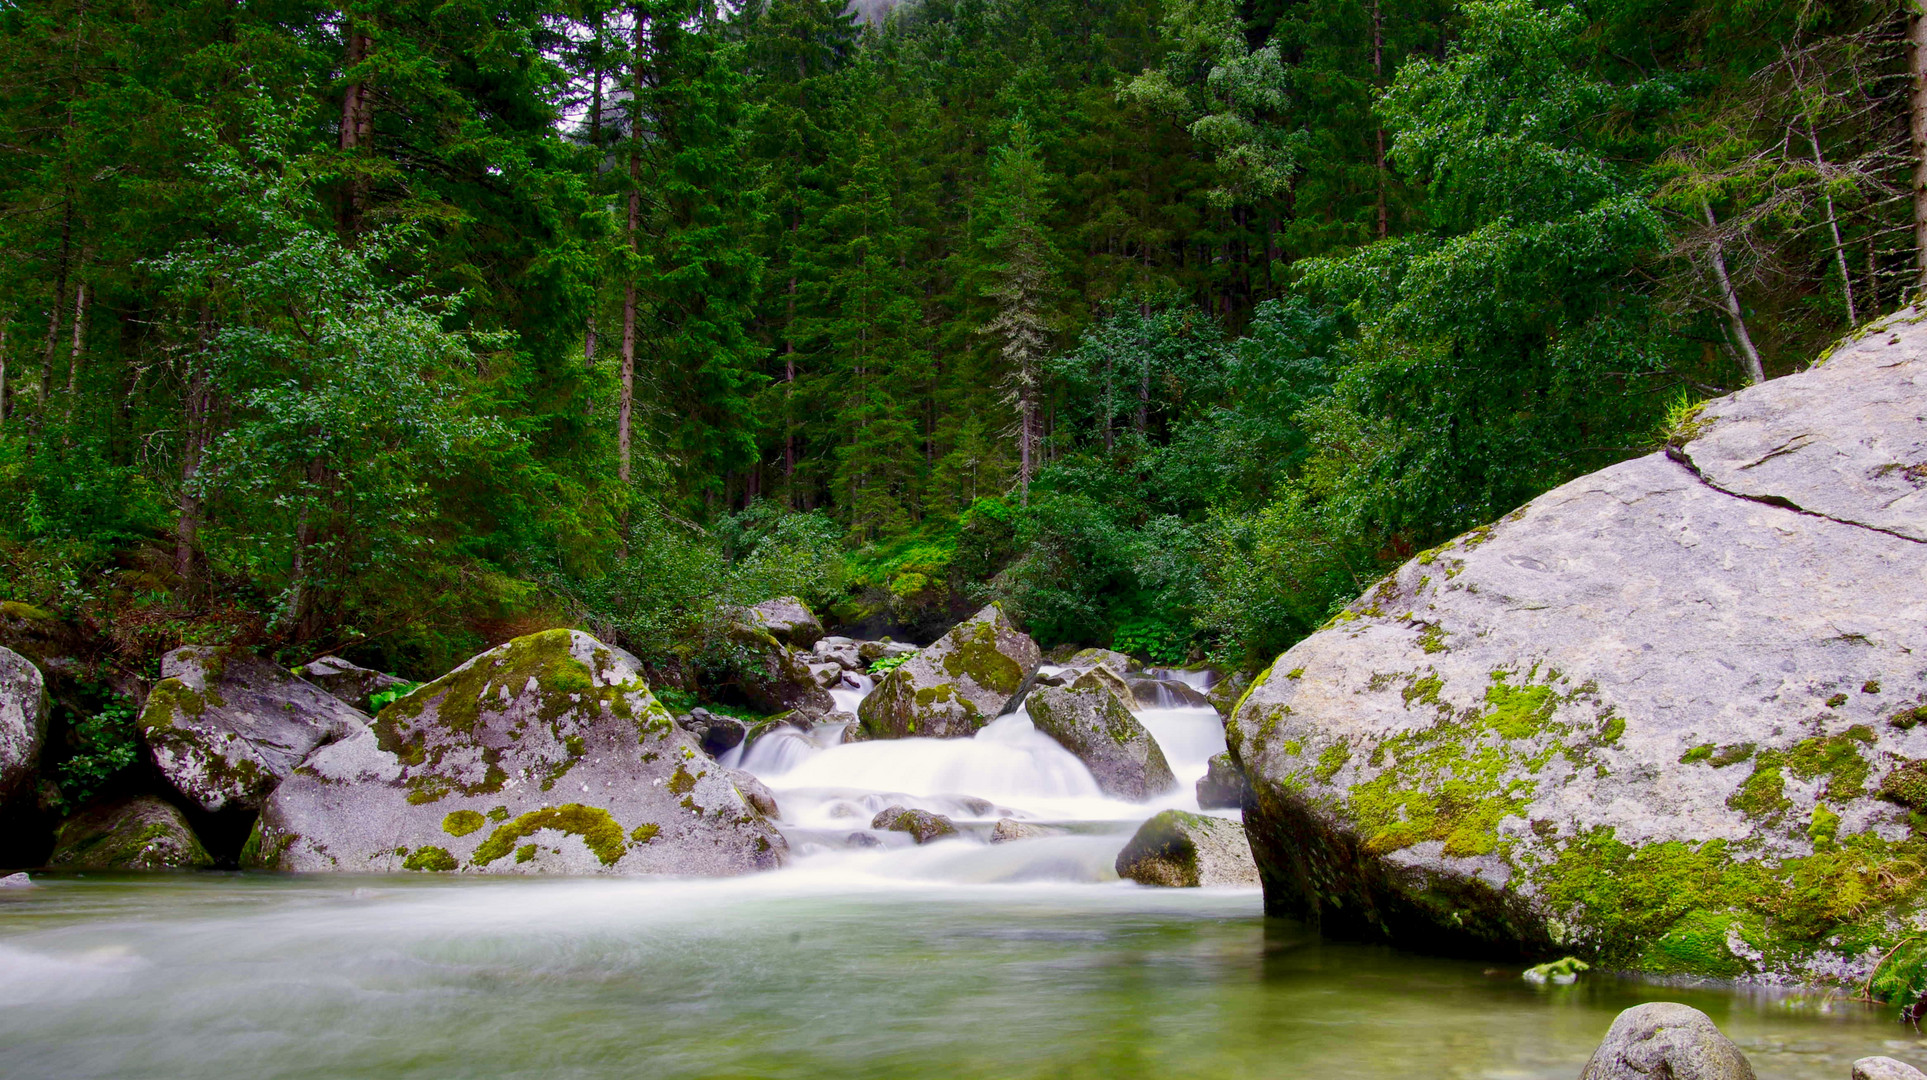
{"x": 1666, "y": 1039}
{"x": 1180, "y": 850}
{"x": 1094, "y": 724}
{"x": 1885, "y": 1068}
{"x": 1222, "y": 787}
{"x": 547, "y": 754}
{"x": 23, "y": 722}
{"x": 1643, "y": 718}
{"x": 349, "y": 682}
{"x": 787, "y": 619}
{"x": 777, "y": 678}
{"x": 225, "y": 726}
{"x": 964, "y": 680}
{"x": 135, "y": 834}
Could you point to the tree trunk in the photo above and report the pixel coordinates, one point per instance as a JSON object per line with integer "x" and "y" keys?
{"x": 188, "y": 526}
{"x": 626, "y": 408}
{"x": 1378, "y": 133}
{"x": 1833, "y": 229}
{"x": 1730, "y": 300}
{"x": 54, "y": 312}
{"x": 78, "y": 351}
{"x": 1917, "y": 126}
{"x": 357, "y": 122}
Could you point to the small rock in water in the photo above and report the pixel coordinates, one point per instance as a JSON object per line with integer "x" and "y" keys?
{"x": 22, "y": 881}
{"x": 1222, "y": 787}
{"x": 1885, "y": 1068}
{"x": 1181, "y": 850}
{"x": 922, "y": 825}
{"x": 1562, "y": 972}
{"x": 1010, "y": 829}
{"x": 861, "y": 839}
{"x": 1665, "y": 1038}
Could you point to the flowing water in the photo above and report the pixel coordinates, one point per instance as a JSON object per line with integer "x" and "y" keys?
{"x": 960, "y": 959}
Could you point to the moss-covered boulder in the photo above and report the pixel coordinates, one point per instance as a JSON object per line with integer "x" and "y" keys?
{"x": 349, "y": 682}
{"x": 1225, "y": 694}
{"x": 922, "y": 825}
{"x": 133, "y": 834}
{"x": 1093, "y": 723}
{"x": 1110, "y": 658}
{"x": 787, "y": 619}
{"x": 962, "y": 681}
{"x": 1222, "y": 787}
{"x": 225, "y": 726}
{"x": 1662, "y": 717}
{"x": 1180, "y": 850}
{"x": 23, "y": 722}
{"x": 776, "y": 678}
{"x": 547, "y": 754}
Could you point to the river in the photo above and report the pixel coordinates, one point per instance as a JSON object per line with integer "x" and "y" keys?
{"x": 960, "y": 959}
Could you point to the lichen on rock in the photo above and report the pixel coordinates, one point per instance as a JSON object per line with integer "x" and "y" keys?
{"x": 142, "y": 833}
{"x": 1176, "y": 849}
{"x": 964, "y": 680}
{"x": 1090, "y": 721}
{"x": 23, "y": 722}
{"x": 547, "y": 754}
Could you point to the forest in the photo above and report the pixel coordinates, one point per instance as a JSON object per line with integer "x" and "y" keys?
{"x": 395, "y": 329}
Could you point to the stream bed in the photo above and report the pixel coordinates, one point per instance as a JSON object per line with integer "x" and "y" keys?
{"x": 867, "y": 957}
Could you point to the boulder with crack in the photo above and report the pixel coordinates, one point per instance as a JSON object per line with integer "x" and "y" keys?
{"x": 547, "y": 754}
{"x": 1671, "y": 715}
{"x": 225, "y": 726}
{"x": 964, "y": 680}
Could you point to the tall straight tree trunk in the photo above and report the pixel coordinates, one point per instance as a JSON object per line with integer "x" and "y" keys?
{"x": 54, "y": 312}
{"x": 632, "y": 228}
{"x": 1378, "y": 133}
{"x": 79, "y": 350}
{"x": 595, "y": 141}
{"x": 357, "y": 121}
{"x": 187, "y": 526}
{"x": 1917, "y": 127}
{"x": 1833, "y": 229}
{"x": 4, "y": 321}
{"x": 1730, "y": 300}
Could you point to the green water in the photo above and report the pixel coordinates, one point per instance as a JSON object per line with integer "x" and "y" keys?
{"x": 791, "y": 974}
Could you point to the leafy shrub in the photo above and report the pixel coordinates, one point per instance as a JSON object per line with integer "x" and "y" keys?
{"x": 1153, "y": 638}
{"x": 380, "y": 699}
{"x": 104, "y": 743}
{"x": 884, "y": 665}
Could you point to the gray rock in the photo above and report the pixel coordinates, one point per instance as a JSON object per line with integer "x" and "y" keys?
{"x": 717, "y": 733}
{"x": 17, "y": 881}
{"x": 1666, "y": 1039}
{"x": 1223, "y": 787}
{"x": 547, "y": 754}
{"x": 134, "y": 834}
{"x": 964, "y": 680}
{"x": 347, "y": 681}
{"x": 1118, "y": 662}
{"x": 1503, "y": 743}
{"x": 23, "y": 722}
{"x": 1885, "y": 1068}
{"x": 842, "y": 652}
{"x": 1092, "y": 723}
{"x": 826, "y": 675}
{"x": 789, "y": 620}
{"x": 872, "y": 651}
{"x": 861, "y": 840}
{"x": 1181, "y": 850}
{"x": 225, "y": 726}
{"x": 1166, "y": 694}
{"x": 1226, "y": 692}
{"x": 1009, "y": 829}
{"x": 922, "y": 825}
{"x": 779, "y": 679}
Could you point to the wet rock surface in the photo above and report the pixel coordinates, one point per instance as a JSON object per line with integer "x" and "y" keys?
{"x": 1180, "y": 850}
{"x": 1885, "y": 1068}
{"x": 134, "y": 834}
{"x": 1665, "y": 1039}
{"x": 962, "y": 681}
{"x": 788, "y": 620}
{"x": 1638, "y": 718}
{"x": 349, "y": 682}
{"x": 1093, "y": 723}
{"x": 225, "y": 726}
{"x": 717, "y": 733}
{"x": 547, "y": 754}
{"x": 23, "y": 722}
{"x": 922, "y": 825}
{"x": 1222, "y": 787}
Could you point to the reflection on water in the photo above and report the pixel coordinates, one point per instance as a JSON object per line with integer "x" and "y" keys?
{"x": 804, "y": 973}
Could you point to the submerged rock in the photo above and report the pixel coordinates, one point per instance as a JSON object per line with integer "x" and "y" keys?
{"x": 1181, "y": 850}
{"x": 1166, "y": 694}
{"x": 225, "y": 726}
{"x": 1641, "y": 719}
{"x": 1222, "y": 787}
{"x": 1009, "y": 829}
{"x": 922, "y": 825}
{"x": 788, "y": 620}
{"x": 1666, "y": 1039}
{"x": 547, "y": 754}
{"x": 349, "y": 682}
{"x": 1885, "y": 1068}
{"x": 964, "y": 680}
{"x": 1096, "y": 726}
{"x": 134, "y": 834}
{"x": 23, "y": 722}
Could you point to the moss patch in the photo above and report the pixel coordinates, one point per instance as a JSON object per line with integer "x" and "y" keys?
{"x": 596, "y": 827}
{"x": 463, "y": 822}
{"x": 430, "y": 858}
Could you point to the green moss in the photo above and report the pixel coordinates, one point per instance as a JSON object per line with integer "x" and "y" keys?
{"x": 1835, "y": 757}
{"x": 1836, "y": 701}
{"x": 14, "y": 609}
{"x": 1331, "y": 760}
{"x": 1822, "y": 829}
{"x": 430, "y": 858}
{"x": 1731, "y": 755}
{"x": 1566, "y": 967}
{"x": 1696, "y": 944}
{"x": 596, "y": 827}
{"x": 462, "y": 822}
{"x": 498, "y": 813}
{"x": 645, "y": 832}
{"x": 1518, "y": 712}
{"x": 680, "y": 782}
{"x": 525, "y": 853}
{"x": 1764, "y": 792}
{"x": 1909, "y": 718}
{"x": 1906, "y": 785}
{"x": 1611, "y": 730}
{"x": 1433, "y": 639}
{"x": 170, "y": 700}
{"x": 1423, "y": 691}
{"x": 1702, "y": 752}
{"x": 974, "y": 655}
{"x": 1295, "y": 673}
{"x": 1871, "y": 686}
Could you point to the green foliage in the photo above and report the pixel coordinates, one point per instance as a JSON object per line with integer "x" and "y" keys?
{"x": 380, "y": 699}
{"x": 104, "y": 743}
{"x": 1151, "y": 638}
{"x": 884, "y": 665}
